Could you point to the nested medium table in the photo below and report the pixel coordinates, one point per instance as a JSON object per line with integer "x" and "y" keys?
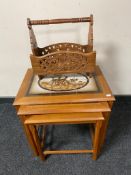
{"x": 36, "y": 98}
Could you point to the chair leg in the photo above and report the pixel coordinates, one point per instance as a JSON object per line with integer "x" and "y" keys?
{"x": 37, "y": 141}
{"x": 96, "y": 140}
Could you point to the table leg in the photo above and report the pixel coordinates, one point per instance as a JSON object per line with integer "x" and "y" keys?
{"x": 37, "y": 141}
{"x": 96, "y": 140}
{"x": 104, "y": 128}
{"x": 106, "y": 116}
{"x": 29, "y": 136}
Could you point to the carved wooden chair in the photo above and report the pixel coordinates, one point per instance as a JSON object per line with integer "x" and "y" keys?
{"x": 62, "y": 57}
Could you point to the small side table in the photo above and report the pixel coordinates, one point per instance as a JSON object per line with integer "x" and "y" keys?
{"x": 32, "y": 99}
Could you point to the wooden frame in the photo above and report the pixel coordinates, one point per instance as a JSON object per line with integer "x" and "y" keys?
{"x": 104, "y": 95}
{"x": 34, "y": 120}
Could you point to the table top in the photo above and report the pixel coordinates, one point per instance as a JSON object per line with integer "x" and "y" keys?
{"x": 71, "y": 88}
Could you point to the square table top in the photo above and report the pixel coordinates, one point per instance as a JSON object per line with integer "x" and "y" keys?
{"x": 78, "y": 88}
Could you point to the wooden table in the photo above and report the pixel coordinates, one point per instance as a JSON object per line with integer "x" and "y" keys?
{"x": 99, "y": 101}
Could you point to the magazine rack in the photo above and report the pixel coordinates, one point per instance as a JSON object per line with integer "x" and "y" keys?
{"x": 62, "y": 57}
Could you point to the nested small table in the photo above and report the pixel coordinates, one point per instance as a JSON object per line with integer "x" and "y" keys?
{"x": 35, "y": 97}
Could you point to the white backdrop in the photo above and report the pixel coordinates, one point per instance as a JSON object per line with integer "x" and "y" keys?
{"x": 112, "y": 37}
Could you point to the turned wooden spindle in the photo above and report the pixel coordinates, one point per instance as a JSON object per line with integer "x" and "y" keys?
{"x": 58, "y": 21}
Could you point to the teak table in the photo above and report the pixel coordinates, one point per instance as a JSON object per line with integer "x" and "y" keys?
{"x": 28, "y": 103}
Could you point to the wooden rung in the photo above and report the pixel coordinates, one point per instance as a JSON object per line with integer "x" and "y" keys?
{"x": 66, "y": 118}
{"x": 64, "y": 108}
{"x": 68, "y": 152}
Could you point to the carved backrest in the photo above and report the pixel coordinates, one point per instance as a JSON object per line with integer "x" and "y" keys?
{"x": 62, "y": 57}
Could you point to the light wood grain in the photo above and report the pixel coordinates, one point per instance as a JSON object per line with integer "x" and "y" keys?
{"x": 23, "y": 99}
{"x": 64, "y": 118}
{"x": 68, "y": 152}
{"x": 63, "y": 108}
{"x": 96, "y": 139}
{"x": 37, "y": 140}
{"x": 29, "y": 135}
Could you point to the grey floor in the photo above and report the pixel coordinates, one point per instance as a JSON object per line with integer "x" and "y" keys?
{"x": 16, "y": 157}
